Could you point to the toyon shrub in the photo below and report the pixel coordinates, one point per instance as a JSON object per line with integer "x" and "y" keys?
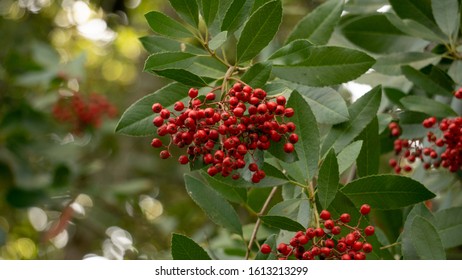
{"x": 335, "y": 240}
{"x": 83, "y": 112}
{"x": 220, "y": 133}
{"x": 280, "y": 155}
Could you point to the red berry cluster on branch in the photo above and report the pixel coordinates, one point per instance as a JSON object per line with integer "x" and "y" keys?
{"x": 443, "y": 147}
{"x": 83, "y": 112}
{"x": 325, "y": 243}
{"x": 221, "y": 133}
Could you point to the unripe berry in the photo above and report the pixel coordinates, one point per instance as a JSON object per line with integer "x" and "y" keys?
{"x": 365, "y": 209}
{"x": 265, "y": 249}
{"x": 325, "y": 215}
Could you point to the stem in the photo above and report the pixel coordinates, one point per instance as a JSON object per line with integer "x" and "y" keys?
{"x": 390, "y": 245}
{"x": 258, "y": 223}
{"x": 312, "y": 198}
{"x": 227, "y": 76}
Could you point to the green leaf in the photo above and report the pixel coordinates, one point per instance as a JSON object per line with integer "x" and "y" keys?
{"x": 455, "y": 71}
{"x": 292, "y": 53}
{"x": 184, "y": 248}
{"x": 391, "y": 64}
{"x": 376, "y": 34}
{"x": 182, "y": 76}
{"x": 449, "y": 224}
{"x": 322, "y": 66}
{"x": 236, "y": 15}
{"x": 369, "y": 157}
{"x": 257, "y": 75}
{"x": 327, "y": 104}
{"x": 295, "y": 209}
{"x": 214, "y": 205}
{"x": 386, "y": 191}
{"x": 168, "y": 60}
{"x": 407, "y": 247}
{"x": 394, "y": 95}
{"x": 348, "y": 155}
{"x": 137, "y": 119}
{"x": 447, "y": 16}
{"x": 155, "y": 44}
{"x": 218, "y": 40}
{"x": 187, "y": 10}
{"x": 226, "y": 189}
{"x": 428, "y": 106}
{"x": 167, "y": 26}
{"x": 433, "y": 82}
{"x": 282, "y": 222}
{"x": 426, "y": 240}
{"x": 318, "y": 25}
{"x": 259, "y": 30}
{"x": 362, "y": 112}
{"x": 307, "y": 147}
{"x": 328, "y": 180}
{"x": 418, "y": 10}
{"x": 416, "y": 29}
{"x": 271, "y": 241}
{"x": 207, "y": 66}
{"x": 209, "y": 9}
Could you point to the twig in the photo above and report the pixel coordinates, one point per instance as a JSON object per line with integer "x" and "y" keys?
{"x": 257, "y": 224}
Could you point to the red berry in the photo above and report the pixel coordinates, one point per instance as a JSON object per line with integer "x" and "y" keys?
{"x": 156, "y": 143}
{"x": 365, "y": 209}
{"x": 350, "y": 239}
{"x": 253, "y": 167}
{"x": 329, "y": 224}
{"x": 193, "y": 93}
{"x": 265, "y": 249}
{"x": 367, "y": 248}
{"x": 288, "y": 148}
{"x": 293, "y": 138}
{"x": 369, "y": 230}
{"x": 345, "y": 218}
{"x": 289, "y": 112}
{"x": 281, "y": 100}
{"x": 282, "y": 248}
{"x": 156, "y": 107}
{"x": 325, "y": 215}
{"x": 336, "y": 230}
{"x": 210, "y": 96}
{"x": 179, "y": 106}
{"x": 183, "y": 159}
{"x": 164, "y": 154}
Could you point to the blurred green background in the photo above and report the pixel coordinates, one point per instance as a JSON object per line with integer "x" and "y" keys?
{"x": 106, "y": 195}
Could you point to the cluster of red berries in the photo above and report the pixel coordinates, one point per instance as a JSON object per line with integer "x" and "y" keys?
{"x": 221, "y": 133}
{"x": 394, "y": 128}
{"x": 442, "y": 147}
{"x": 325, "y": 243}
{"x": 83, "y": 112}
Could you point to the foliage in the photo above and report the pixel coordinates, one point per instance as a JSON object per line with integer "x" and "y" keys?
{"x": 410, "y": 52}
